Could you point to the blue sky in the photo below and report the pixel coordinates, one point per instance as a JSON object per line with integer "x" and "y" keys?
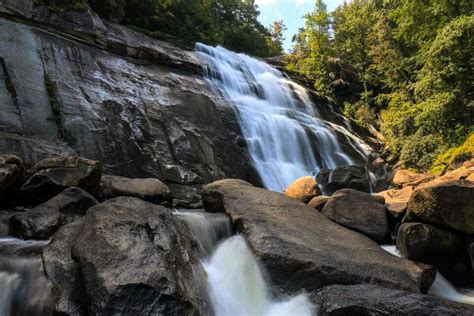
{"x": 291, "y": 12}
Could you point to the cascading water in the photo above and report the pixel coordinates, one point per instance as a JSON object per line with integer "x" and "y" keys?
{"x": 441, "y": 287}
{"x": 286, "y": 136}
{"x": 235, "y": 280}
{"x": 24, "y": 289}
{"x": 238, "y": 287}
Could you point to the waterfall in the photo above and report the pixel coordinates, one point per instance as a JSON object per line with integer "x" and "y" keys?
{"x": 235, "y": 281}
{"x": 238, "y": 287}
{"x": 286, "y": 136}
{"x": 206, "y": 228}
{"x": 24, "y": 289}
{"x": 441, "y": 286}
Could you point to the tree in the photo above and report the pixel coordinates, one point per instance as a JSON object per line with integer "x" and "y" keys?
{"x": 276, "y": 38}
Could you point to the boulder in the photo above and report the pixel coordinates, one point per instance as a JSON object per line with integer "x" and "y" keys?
{"x": 302, "y": 249}
{"x": 352, "y": 177}
{"x": 396, "y": 210}
{"x": 446, "y": 205}
{"x": 397, "y": 195}
{"x": 149, "y": 189}
{"x": 318, "y": 202}
{"x": 136, "y": 258}
{"x": 11, "y": 170}
{"x": 368, "y": 299}
{"x": 303, "y": 189}
{"x": 428, "y": 244}
{"x": 51, "y": 176}
{"x": 358, "y": 211}
{"x": 405, "y": 177}
{"x": 44, "y": 220}
{"x": 69, "y": 296}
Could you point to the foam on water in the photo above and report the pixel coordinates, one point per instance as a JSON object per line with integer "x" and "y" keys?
{"x": 238, "y": 287}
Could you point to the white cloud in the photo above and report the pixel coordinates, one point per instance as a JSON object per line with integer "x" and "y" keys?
{"x": 300, "y": 3}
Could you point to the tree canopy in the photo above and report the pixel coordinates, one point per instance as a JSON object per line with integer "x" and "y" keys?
{"x": 404, "y": 66}
{"x": 231, "y": 23}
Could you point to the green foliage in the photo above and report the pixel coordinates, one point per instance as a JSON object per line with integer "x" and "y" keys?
{"x": 61, "y": 5}
{"x": 455, "y": 155}
{"x": 402, "y": 65}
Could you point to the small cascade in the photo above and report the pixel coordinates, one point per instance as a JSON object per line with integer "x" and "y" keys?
{"x": 24, "y": 289}
{"x": 206, "y": 228}
{"x": 441, "y": 286}
{"x": 287, "y": 138}
{"x": 238, "y": 287}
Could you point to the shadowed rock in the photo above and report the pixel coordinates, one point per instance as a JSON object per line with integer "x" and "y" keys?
{"x": 44, "y": 220}
{"x": 137, "y": 258}
{"x": 358, "y": 211}
{"x": 376, "y": 300}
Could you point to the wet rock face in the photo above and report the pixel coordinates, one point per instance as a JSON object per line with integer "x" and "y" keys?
{"x": 351, "y": 177}
{"x": 358, "y": 211}
{"x": 302, "y": 249}
{"x": 11, "y": 174}
{"x": 44, "y": 220}
{"x": 135, "y": 103}
{"x": 376, "y": 300}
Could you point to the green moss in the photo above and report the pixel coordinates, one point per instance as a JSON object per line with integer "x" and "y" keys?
{"x": 455, "y": 156}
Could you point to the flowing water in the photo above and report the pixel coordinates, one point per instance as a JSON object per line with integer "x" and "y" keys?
{"x": 286, "y": 136}
{"x": 441, "y": 287}
{"x": 235, "y": 280}
{"x": 24, "y": 289}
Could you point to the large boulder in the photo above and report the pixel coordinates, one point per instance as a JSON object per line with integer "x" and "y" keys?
{"x": 137, "y": 258}
{"x": 447, "y": 205}
{"x": 68, "y": 292}
{"x": 375, "y": 300}
{"x": 50, "y": 176}
{"x": 149, "y": 189}
{"x": 428, "y": 244}
{"x": 358, "y": 211}
{"x": 352, "y": 177}
{"x": 303, "y": 189}
{"x": 302, "y": 249}
{"x": 44, "y": 220}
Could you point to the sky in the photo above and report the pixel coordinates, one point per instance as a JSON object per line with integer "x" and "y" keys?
{"x": 291, "y": 12}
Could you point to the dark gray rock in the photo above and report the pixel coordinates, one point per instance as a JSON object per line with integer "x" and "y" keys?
{"x": 137, "y": 258}
{"x": 51, "y": 176}
{"x": 358, "y": 211}
{"x": 149, "y": 189}
{"x": 375, "y": 300}
{"x": 69, "y": 296}
{"x": 302, "y": 249}
{"x": 428, "y": 244}
{"x": 11, "y": 172}
{"x": 44, "y": 220}
{"x": 350, "y": 177}
{"x": 445, "y": 205}
{"x": 318, "y": 202}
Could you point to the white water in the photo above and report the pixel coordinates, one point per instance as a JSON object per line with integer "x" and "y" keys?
{"x": 238, "y": 287}
{"x": 24, "y": 289}
{"x": 286, "y": 136}
{"x": 206, "y": 228}
{"x": 441, "y": 287}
